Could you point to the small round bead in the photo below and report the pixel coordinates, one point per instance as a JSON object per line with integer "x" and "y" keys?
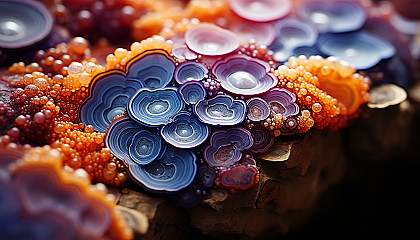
{"x": 41, "y": 83}
{"x": 112, "y": 166}
{"x": 39, "y": 117}
{"x": 75, "y": 69}
{"x": 28, "y": 79}
{"x": 20, "y": 120}
{"x": 120, "y": 53}
{"x": 306, "y": 114}
{"x": 14, "y": 132}
{"x": 85, "y": 20}
{"x": 58, "y": 128}
{"x": 31, "y": 90}
{"x": 310, "y": 122}
{"x": 316, "y": 107}
{"x": 84, "y": 78}
{"x": 57, "y": 65}
{"x": 89, "y": 129}
{"x": 78, "y": 45}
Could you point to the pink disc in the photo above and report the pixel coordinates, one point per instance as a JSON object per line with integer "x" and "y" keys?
{"x": 211, "y": 40}
{"x": 261, "y": 10}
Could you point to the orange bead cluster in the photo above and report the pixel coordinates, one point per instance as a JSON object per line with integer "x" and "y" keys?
{"x": 317, "y": 83}
{"x": 68, "y": 88}
{"x": 42, "y": 109}
{"x": 57, "y": 59}
{"x": 28, "y": 109}
{"x": 121, "y": 56}
{"x": 177, "y": 31}
{"x": 258, "y": 51}
{"x": 334, "y": 76}
{"x": 274, "y": 121}
{"x": 82, "y": 147}
{"x": 72, "y": 63}
{"x": 20, "y": 67}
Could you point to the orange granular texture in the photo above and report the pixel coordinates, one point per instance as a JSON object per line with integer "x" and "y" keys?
{"x": 329, "y": 88}
{"x": 55, "y": 102}
{"x": 121, "y": 56}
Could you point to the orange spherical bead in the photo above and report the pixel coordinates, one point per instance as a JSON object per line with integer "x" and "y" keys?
{"x": 78, "y": 45}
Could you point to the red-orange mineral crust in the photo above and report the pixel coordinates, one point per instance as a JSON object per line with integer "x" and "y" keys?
{"x": 329, "y": 88}
{"x": 40, "y": 108}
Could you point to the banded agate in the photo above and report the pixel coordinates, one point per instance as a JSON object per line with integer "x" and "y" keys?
{"x": 220, "y": 110}
{"x": 226, "y": 146}
{"x": 185, "y": 131}
{"x": 155, "y": 107}
{"x": 243, "y": 75}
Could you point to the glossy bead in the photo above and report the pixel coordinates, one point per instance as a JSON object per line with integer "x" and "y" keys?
{"x": 78, "y": 45}
{"x": 85, "y": 19}
{"x": 31, "y": 90}
{"x": 316, "y": 107}
{"x": 41, "y": 83}
{"x": 39, "y": 117}
{"x": 75, "y": 69}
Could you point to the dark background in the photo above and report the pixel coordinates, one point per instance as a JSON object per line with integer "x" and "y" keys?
{"x": 374, "y": 200}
